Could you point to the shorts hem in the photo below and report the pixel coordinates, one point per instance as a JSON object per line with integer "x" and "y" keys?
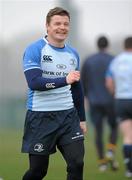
{"x": 35, "y": 153}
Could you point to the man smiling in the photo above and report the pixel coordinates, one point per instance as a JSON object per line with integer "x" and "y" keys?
{"x": 55, "y": 106}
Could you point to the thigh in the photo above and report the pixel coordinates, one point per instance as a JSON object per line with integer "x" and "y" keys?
{"x": 111, "y": 116}
{"x": 126, "y": 126}
{"x": 73, "y": 151}
{"x": 97, "y": 116}
{"x": 38, "y": 162}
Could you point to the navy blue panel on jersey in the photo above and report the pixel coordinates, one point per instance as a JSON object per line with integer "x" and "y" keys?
{"x": 78, "y": 99}
{"x": 37, "y": 82}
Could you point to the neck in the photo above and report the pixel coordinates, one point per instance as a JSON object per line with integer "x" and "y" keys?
{"x": 59, "y": 44}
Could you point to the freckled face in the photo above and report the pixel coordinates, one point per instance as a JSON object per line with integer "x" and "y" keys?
{"x": 58, "y": 28}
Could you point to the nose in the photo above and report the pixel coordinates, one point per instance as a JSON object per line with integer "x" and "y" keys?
{"x": 62, "y": 26}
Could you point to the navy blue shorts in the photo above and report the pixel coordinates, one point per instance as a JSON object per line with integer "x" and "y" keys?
{"x": 123, "y": 109}
{"x": 99, "y": 112}
{"x": 43, "y": 131}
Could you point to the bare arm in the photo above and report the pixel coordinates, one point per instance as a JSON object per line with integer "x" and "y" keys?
{"x": 83, "y": 126}
{"x": 110, "y": 85}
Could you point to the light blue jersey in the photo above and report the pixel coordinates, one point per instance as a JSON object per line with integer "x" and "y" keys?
{"x": 55, "y": 63}
{"x": 121, "y": 72}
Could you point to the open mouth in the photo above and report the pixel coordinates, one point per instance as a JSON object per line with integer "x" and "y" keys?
{"x": 62, "y": 33}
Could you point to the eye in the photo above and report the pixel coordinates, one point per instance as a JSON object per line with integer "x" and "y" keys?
{"x": 57, "y": 23}
{"x": 66, "y": 24}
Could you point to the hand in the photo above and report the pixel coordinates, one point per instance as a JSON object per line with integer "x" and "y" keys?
{"x": 83, "y": 126}
{"x": 72, "y": 77}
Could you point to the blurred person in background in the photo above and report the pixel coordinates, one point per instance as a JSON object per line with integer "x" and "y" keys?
{"x": 55, "y": 115}
{"x": 100, "y": 102}
{"x": 119, "y": 83}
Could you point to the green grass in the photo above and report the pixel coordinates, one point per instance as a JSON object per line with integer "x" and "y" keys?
{"x": 13, "y": 163}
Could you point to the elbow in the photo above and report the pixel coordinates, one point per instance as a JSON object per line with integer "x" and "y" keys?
{"x": 33, "y": 86}
{"x": 110, "y": 86}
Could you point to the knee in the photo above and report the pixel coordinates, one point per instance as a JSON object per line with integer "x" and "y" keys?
{"x": 114, "y": 126}
{"x": 77, "y": 164}
{"x": 35, "y": 174}
{"x": 75, "y": 170}
{"x": 39, "y": 174}
{"x": 99, "y": 140}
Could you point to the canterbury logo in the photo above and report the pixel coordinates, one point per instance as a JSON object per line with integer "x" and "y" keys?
{"x": 47, "y": 58}
{"x": 50, "y": 85}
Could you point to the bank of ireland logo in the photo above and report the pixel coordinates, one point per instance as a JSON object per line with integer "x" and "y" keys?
{"x": 61, "y": 66}
{"x": 38, "y": 147}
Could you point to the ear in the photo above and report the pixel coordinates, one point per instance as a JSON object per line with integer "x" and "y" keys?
{"x": 47, "y": 25}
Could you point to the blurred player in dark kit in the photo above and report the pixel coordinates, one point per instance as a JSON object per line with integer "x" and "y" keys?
{"x": 100, "y": 102}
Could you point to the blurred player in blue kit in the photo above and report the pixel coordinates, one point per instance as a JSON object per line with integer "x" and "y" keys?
{"x": 119, "y": 82}
{"x": 55, "y": 106}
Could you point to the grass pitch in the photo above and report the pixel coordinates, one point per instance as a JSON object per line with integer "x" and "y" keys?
{"x": 13, "y": 163}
